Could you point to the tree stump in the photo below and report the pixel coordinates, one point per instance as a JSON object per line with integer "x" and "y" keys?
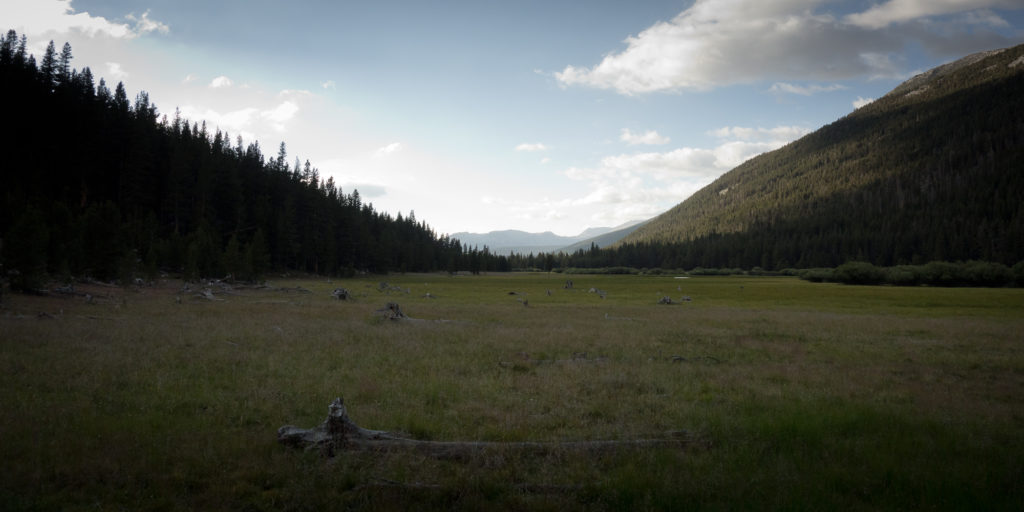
{"x": 392, "y": 311}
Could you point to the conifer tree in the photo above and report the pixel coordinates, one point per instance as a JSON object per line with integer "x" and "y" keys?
{"x": 121, "y": 104}
{"x": 48, "y": 66}
{"x": 63, "y": 71}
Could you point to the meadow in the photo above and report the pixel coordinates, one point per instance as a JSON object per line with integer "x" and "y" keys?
{"x": 793, "y": 395}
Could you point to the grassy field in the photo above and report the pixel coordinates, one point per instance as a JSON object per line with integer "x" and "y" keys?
{"x": 798, "y": 395}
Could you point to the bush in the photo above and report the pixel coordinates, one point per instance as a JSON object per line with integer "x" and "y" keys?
{"x": 816, "y": 275}
{"x": 904, "y": 275}
{"x": 701, "y": 271}
{"x": 859, "y": 272}
{"x": 1018, "y": 273}
{"x": 936, "y": 273}
{"x": 607, "y": 270}
{"x": 983, "y": 273}
{"x": 941, "y": 273}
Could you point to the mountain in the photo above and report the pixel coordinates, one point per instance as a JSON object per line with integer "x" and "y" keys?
{"x": 931, "y": 171}
{"x": 508, "y": 241}
{"x": 605, "y": 239}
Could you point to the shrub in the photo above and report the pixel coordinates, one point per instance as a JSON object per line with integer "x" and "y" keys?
{"x": 859, "y": 272}
{"x": 816, "y": 275}
{"x": 983, "y": 273}
{"x": 904, "y": 275}
{"x": 941, "y": 273}
{"x": 1018, "y": 273}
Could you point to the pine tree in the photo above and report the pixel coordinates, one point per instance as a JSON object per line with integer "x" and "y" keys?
{"x": 63, "y": 71}
{"x": 103, "y": 93}
{"x": 48, "y": 66}
{"x": 20, "y": 52}
{"x": 121, "y": 104}
{"x": 7, "y": 47}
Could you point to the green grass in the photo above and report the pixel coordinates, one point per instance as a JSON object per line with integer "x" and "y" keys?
{"x": 802, "y": 395}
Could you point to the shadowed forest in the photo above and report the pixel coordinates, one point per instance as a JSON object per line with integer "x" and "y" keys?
{"x": 100, "y": 185}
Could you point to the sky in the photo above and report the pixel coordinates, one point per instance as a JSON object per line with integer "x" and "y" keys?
{"x": 547, "y": 115}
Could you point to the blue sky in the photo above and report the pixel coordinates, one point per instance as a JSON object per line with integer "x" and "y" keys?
{"x": 534, "y": 115}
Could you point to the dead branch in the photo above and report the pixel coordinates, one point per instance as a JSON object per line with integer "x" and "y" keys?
{"x": 207, "y": 294}
{"x": 338, "y": 432}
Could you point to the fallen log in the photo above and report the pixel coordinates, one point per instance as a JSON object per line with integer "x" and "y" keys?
{"x": 339, "y": 433}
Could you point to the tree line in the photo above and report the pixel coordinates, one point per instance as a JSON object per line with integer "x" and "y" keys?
{"x": 99, "y": 185}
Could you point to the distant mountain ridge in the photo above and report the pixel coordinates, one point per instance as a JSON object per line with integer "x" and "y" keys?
{"x": 507, "y": 241}
{"x": 930, "y": 171}
{"x": 605, "y": 239}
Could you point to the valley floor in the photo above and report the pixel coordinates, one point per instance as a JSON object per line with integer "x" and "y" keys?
{"x": 793, "y": 395}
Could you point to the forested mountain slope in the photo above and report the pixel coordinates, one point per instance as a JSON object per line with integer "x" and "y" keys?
{"x": 932, "y": 171}
{"x": 97, "y": 185}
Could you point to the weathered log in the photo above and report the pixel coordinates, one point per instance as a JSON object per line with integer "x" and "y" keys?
{"x": 338, "y": 432}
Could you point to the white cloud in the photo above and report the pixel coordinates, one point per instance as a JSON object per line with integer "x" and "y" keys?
{"x": 545, "y": 160}
{"x": 38, "y": 17}
{"x": 143, "y": 24}
{"x": 650, "y": 137}
{"x": 632, "y": 186}
{"x": 804, "y": 90}
{"x": 722, "y": 42}
{"x": 778, "y": 133}
{"x": 985, "y": 17}
{"x": 902, "y": 11}
{"x": 115, "y": 71}
{"x": 390, "y": 148}
{"x": 860, "y": 102}
{"x": 531, "y": 147}
{"x": 329, "y": 84}
{"x": 249, "y": 121}
{"x": 189, "y": 78}
{"x": 238, "y": 121}
{"x": 280, "y": 114}
{"x": 221, "y": 81}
